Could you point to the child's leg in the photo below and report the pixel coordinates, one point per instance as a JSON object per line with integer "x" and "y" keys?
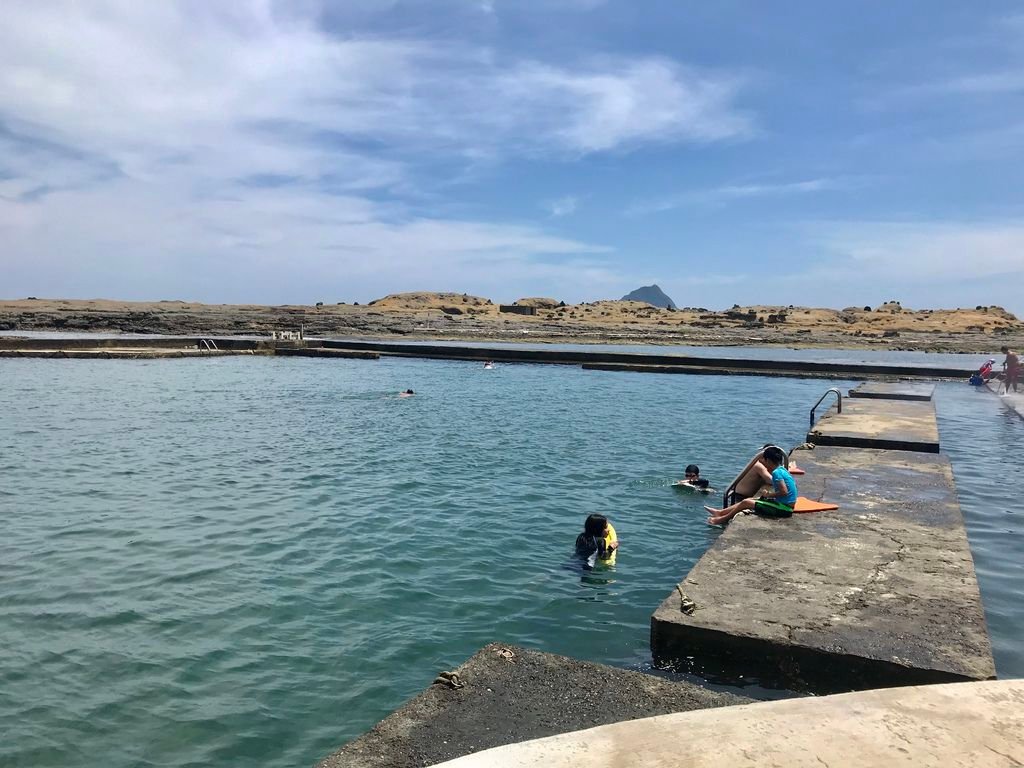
{"x": 719, "y": 516}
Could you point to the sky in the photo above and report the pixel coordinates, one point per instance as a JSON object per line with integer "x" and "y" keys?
{"x": 254, "y": 151}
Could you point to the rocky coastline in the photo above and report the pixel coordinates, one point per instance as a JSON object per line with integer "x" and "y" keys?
{"x": 459, "y": 317}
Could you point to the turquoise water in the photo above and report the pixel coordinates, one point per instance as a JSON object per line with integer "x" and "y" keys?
{"x": 248, "y": 561}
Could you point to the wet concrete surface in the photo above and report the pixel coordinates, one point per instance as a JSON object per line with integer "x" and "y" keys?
{"x": 881, "y": 592}
{"x": 1012, "y": 400}
{"x": 511, "y": 699}
{"x": 884, "y": 424}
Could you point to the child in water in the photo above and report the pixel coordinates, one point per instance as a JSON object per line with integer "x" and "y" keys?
{"x": 692, "y": 475}
{"x": 598, "y": 540}
{"x": 776, "y": 503}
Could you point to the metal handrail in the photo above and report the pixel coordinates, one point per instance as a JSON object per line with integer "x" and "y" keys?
{"x": 732, "y": 486}
{"x": 210, "y": 345}
{"x": 839, "y": 402}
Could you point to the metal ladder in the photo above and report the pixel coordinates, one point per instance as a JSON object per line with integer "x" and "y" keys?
{"x": 209, "y": 344}
{"x": 839, "y": 402}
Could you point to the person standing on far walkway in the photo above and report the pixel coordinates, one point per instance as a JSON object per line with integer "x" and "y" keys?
{"x": 1011, "y": 369}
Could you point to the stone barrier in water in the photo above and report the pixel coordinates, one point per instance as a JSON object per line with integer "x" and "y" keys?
{"x": 504, "y": 695}
{"x": 881, "y": 592}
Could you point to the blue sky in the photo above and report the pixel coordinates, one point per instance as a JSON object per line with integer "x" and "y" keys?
{"x": 825, "y": 154}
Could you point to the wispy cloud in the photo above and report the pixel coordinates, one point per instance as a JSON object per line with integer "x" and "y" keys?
{"x": 719, "y": 195}
{"x": 133, "y": 78}
{"x": 249, "y": 139}
{"x": 563, "y": 206}
{"x": 1009, "y": 81}
{"x": 924, "y": 252}
{"x": 987, "y": 62}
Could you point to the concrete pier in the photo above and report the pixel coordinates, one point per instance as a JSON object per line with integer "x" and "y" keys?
{"x": 876, "y": 423}
{"x": 510, "y": 694}
{"x": 359, "y": 354}
{"x": 901, "y": 390}
{"x": 596, "y": 359}
{"x": 969, "y": 725}
{"x": 881, "y": 592}
{"x": 790, "y": 372}
{"x": 124, "y": 353}
{"x": 654, "y": 362}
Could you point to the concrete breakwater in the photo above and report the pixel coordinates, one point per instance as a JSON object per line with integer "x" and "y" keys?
{"x": 591, "y": 360}
{"x": 504, "y": 695}
{"x": 881, "y": 592}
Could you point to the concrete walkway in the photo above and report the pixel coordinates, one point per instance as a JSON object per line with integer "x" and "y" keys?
{"x": 901, "y": 390}
{"x": 900, "y": 425}
{"x": 881, "y": 592}
{"x": 974, "y": 725}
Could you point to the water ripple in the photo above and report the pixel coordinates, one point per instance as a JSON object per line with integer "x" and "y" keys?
{"x": 207, "y": 563}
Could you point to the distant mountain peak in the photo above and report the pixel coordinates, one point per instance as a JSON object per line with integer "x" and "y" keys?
{"x": 652, "y": 294}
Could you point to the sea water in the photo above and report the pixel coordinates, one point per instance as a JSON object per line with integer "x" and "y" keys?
{"x": 248, "y": 561}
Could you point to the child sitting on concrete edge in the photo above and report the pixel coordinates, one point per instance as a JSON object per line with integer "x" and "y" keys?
{"x": 776, "y": 503}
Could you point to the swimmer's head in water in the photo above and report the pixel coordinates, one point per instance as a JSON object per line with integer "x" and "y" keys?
{"x": 595, "y": 525}
{"x": 692, "y": 471}
{"x": 408, "y": 392}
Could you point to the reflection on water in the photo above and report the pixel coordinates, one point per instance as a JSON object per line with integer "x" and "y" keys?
{"x": 984, "y": 439}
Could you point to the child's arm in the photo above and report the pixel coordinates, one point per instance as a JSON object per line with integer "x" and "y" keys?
{"x": 778, "y": 489}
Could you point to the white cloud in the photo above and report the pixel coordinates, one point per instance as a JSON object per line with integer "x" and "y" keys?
{"x": 720, "y": 195}
{"x": 150, "y": 241}
{"x": 563, "y": 206}
{"x": 139, "y": 141}
{"x": 130, "y": 78}
{"x": 925, "y": 252}
{"x": 621, "y": 103}
{"x": 1010, "y": 81}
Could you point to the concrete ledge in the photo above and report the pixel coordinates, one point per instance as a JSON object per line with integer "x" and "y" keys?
{"x": 714, "y": 371}
{"x": 970, "y": 725}
{"x": 902, "y": 390}
{"x": 321, "y": 352}
{"x": 504, "y": 701}
{"x": 567, "y": 357}
{"x": 880, "y": 593}
{"x": 884, "y": 424}
{"x": 645, "y": 362}
{"x": 121, "y": 354}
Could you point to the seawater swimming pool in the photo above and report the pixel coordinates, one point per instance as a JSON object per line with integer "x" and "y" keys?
{"x": 247, "y": 561}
